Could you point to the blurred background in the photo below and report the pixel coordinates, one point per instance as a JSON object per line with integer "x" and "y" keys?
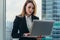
{"x": 46, "y": 10}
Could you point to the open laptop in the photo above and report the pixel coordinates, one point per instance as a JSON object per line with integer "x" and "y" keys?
{"x": 41, "y": 27}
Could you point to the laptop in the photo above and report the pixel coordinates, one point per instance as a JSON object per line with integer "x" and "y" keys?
{"x": 41, "y": 27}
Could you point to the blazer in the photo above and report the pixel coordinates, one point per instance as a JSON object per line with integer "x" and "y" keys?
{"x": 21, "y": 25}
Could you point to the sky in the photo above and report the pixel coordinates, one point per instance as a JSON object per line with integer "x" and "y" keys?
{"x": 14, "y": 7}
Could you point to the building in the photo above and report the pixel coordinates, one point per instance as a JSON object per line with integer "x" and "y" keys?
{"x": 51, "y": 11}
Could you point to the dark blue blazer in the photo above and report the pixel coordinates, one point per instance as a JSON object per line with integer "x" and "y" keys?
{"x": 21, "y": 25}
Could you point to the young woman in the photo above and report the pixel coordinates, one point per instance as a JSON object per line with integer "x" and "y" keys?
{"x": 23, "y": 22}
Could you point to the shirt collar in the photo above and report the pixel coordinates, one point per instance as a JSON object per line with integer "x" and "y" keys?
{"x": 28, "y": 17}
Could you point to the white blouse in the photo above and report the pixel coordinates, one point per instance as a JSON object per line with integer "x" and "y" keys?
{"x": 29, "y": 22}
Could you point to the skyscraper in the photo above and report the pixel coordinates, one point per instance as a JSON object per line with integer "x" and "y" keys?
{"x": 51, "y": 11}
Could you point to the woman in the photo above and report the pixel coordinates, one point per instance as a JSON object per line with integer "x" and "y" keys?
{"x": 23, "y": 22}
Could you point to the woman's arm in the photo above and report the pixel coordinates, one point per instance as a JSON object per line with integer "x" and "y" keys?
{"x": 15, "y": 33}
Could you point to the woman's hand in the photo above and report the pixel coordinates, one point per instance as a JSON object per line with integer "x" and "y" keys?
{"x": 26, "y": 34}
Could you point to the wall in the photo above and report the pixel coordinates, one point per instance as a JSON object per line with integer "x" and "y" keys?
{"x": 2, "y": 19}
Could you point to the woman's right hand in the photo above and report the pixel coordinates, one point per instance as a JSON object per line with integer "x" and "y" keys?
{"x": 26, "y": 34}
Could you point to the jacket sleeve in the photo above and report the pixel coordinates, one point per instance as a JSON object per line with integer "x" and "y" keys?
{"x": 15, "y": 33}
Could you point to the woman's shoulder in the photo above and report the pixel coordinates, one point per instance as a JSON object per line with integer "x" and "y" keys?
{"x": 36, "y": 17}
{"x": 18, "y": 17}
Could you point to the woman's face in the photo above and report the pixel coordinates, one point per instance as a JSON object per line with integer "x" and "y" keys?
{"x": 29, "y": 8}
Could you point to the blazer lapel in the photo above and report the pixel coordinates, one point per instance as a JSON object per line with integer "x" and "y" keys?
{"x": 25, "y": 24}
{"x": 32, "y": 18}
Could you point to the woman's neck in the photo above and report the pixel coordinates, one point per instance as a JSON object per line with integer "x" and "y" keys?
{"x": 28, "y": 15}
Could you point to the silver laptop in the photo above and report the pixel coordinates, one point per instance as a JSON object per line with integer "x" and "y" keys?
{"x": 41, "y": 27}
